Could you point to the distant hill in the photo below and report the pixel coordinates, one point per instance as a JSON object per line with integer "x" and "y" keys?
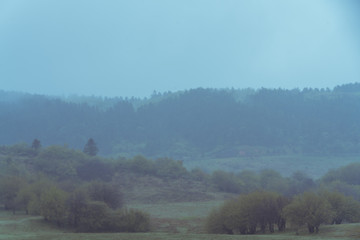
{"x": 192, "y": 124}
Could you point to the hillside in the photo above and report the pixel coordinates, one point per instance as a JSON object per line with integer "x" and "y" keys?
{"x": 60, "y": 184}
{"x": 193, "y": 124}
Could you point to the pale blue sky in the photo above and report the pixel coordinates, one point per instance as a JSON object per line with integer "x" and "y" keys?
{"x": 133, "y": 47}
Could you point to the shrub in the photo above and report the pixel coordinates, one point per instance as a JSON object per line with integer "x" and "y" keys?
{"x": 245, "y": 214}
{"x": 169, "y": 168}
{"x": 59, "y": 162}
{"x": 24, "y": 197}
{"x": 348, "y": 174}
{"x": 52, "y": 205}
{"x": 99, "y": 218}
{"x": 130, "y": 221}
{"x": 140, "y": 164}
{"x": 199, "y": 175}
{"x": 95, "y": 170}
{"x": 9, "y": 188}
{"x": 271, "y": 180}
{"x": 344, "y": 208}
{"x": 95, "y": 218}
{"x": 77, "y": 205}
{"x": 107, "y": 193}
{"x": 216, "y": 222}
{"x": 310, "y": 209}
{"x": 227, "y": 182}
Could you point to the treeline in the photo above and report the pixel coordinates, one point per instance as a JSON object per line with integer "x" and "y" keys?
{"x": 262, "y": 211}
{"x": 193, "y": 123}
{"x": 345, "y": 180}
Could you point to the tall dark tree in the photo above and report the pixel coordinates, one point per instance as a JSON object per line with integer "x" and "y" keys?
{"x": 36, "y": 145}
{"x": 91, "y": 148}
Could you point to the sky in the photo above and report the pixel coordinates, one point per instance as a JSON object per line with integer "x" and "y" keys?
{"x": 134, "y": 47}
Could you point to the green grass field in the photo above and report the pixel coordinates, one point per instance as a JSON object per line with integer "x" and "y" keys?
{"x": 173, "y": 221}
{"x": 185, "y": 219}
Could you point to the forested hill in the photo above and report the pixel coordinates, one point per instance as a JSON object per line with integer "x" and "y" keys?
{"x": 193, "y": 123}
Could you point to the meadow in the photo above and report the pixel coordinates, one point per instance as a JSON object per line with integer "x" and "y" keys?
{"x": 188, "y": 218}
{"x": 178, "y": 206}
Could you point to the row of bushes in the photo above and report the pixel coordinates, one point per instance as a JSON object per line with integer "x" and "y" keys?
{"x": 61, "y": 163}
{"x": 270, "y": 180}
{"x": 263, "y": 210}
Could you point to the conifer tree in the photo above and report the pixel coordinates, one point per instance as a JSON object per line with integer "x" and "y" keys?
{"x": 90, "y": 148}
{"x": 36, "y": 145}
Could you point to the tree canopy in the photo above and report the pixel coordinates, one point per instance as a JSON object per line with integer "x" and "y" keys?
{"x": 90, "y": 148}
{"x": 214, "y": 122}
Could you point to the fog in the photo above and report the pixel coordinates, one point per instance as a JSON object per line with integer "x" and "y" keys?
{"x": 131, "y": 48}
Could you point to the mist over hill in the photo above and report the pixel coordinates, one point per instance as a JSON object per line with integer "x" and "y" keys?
{"x": 195, "y": 123}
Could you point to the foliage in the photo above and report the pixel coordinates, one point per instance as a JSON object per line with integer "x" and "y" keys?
{"x": 310, "y": 209}
{"x": 348, "y": 174}
{"x": 132, "y": 220}
{"x": 53, "y": 187}
{"x": 250, "y": 180}
{"x": 161, "y": 167}
{"x": 77, "y": 205}
{"x": 36, "y": 145}
{"x": 345, "y": 180}
{"x": 344, "y": 208}
{"x": 245, "y": 214}
{"x": 199, "y": 175}
{"x": 9, "y": 188}
{"x": 59, "y": 162}
{"x": 268, "y": 121}
{"x": 107, "y": 193}
{"x": 140, "y": 164}
{"x": 19, "y": 150}
{"x": 95, "y": 169}
{"x": 169, "y": 168}
{"x": 38, "y": 187}
{"x": 273, "y": 181}
{"x": 90, "y": 148}
{"x": 52, "y": 205}
{"x": 263, "y": 210}
{"x": 24, "y": 196}
{"x": 215, "y": 222}
{"x": 267, "y": 180}
{"x": 94, "y": 218}
{"x": 226, "y": 182}
{"x": 300, "y": 183}
{"x": 97, "y": 217}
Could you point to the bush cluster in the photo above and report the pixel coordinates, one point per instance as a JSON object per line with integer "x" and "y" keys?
{"x": 94, "y": 207}
{"x": 259, "y": 211}
{"x": 248, "y": 212}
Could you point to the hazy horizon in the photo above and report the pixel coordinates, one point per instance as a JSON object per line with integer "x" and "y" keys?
{"x": 132, "y": 48}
